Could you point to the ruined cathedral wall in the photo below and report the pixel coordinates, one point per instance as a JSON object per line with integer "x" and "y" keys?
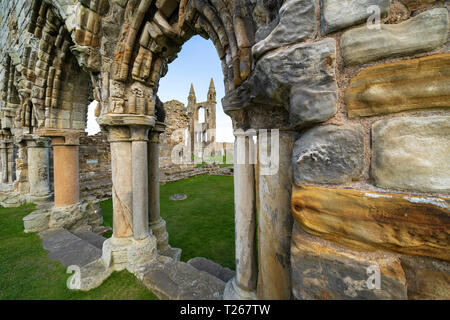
{"x": 362, "y": 184}
{"x": 95, "y": 167}
{"x": 368, "y": 124}
{"x": 371, "y": 185}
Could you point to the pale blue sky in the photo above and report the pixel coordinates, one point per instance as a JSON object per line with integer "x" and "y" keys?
{"x": 197, "y": 63}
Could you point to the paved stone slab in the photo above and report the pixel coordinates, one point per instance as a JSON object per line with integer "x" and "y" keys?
{"x": 178, "y": 197}
{"x": 424, "y": 32}
{"x": 215, "y": 269}
{"x": 174, "y": 280}
{"x": 339, "y": 14}
{"x": 69, "y": 249}
{"x": 93, "y": 238}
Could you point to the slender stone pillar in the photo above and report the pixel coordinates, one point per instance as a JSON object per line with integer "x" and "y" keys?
{"x": 38, "y": 168}
{"x": 274, "y": 216}
{"x": 243, "y": 285}
{"x": 139, "y": 138}
{"x": 122, "y": 193}
{"x": 4, "y": 162}
{"x": 11, "y": 163}
{"x": 65, "y": 144}
{"x": 157, "y": 224}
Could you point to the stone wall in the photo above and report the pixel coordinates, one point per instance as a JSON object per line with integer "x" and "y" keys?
{"x": 368, "y": 181}
{"x": 176, "y": 119}
{"x": 95, "y": 167}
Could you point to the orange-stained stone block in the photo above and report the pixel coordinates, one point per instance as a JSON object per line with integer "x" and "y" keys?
{"x": 368, "y": 220}
{"x": 419, "y": 4}
{"x": 415, "y": 84}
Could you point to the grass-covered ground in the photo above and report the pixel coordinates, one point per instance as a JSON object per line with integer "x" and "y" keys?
{"x": 202, "y": 225}
{"x": 27, "y": 273}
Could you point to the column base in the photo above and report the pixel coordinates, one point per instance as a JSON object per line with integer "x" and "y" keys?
{"x": 162, "y": 237}
{"x": 118, "y": 254}
{"x": 174, "y": 253}
{"x": 233, "y": 292}
{"x": 40, "y": 199}
{"x": 86, "y": 213}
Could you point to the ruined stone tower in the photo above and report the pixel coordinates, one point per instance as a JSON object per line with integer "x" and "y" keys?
{"x": 202, "y": 118}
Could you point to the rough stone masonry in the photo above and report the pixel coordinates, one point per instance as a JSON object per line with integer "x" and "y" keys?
{"x": 362, "y": 183}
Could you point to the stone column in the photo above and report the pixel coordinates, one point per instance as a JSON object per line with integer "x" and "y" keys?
{"x": 122, "y": 194}
{"x": 157, "y": 224}
{"x": 4, "y": 162}
{"x": 243, "y": 285}
{"x": 11, "y": 163}
{"x": 132, "y": 245}
{"x": 38, "y": 168}
{"x": 65, "y": 144}
{"x": 274, "y": 216}
{"x": 139, "y": 138}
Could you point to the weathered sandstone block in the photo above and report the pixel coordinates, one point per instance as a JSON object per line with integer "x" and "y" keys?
{"x": 339, "y": 14}
{"x": 329, "y": 154}
{"x": 423, "y": 33}
{"x": 297, "y": 23}
{"x": 300, "y": 78}
{"x": 400, "y": 86}
{"x": 369, "y": 220}
{"x": 419, "y": 4}
{"x": 426, "y": 278}
{"x": 326, "y": 270}
{"x": 412, "y": 153}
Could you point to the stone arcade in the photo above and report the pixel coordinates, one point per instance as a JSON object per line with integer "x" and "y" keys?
{"x": 363, "y": 176}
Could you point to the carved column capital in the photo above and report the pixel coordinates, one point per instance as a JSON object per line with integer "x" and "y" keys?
{"x": 156, "y": 132}
{"x": 139, "y": 133}
{"x": 62, "y": 137}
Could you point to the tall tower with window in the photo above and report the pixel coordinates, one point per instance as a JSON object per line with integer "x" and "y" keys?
{"x": 202, "y": 117}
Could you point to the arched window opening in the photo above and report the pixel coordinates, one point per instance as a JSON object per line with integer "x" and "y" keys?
{"x": 201, "y": 115}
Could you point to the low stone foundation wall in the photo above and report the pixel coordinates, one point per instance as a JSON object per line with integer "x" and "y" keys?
{"x": 175, "y": 174}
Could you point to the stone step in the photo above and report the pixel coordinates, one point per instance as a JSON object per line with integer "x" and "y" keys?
{"x": 91, "y": 237}
{"x": 175, "y": 280}
{"x": 215, "y": 269}
{"x": 69, "y": 249}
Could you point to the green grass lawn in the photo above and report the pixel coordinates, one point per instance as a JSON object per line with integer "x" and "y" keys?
{"x": 27, "y": 273}
{"x": 202, "y": 225}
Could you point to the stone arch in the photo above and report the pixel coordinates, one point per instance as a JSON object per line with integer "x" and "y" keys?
{"x": 61, "y": 89}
